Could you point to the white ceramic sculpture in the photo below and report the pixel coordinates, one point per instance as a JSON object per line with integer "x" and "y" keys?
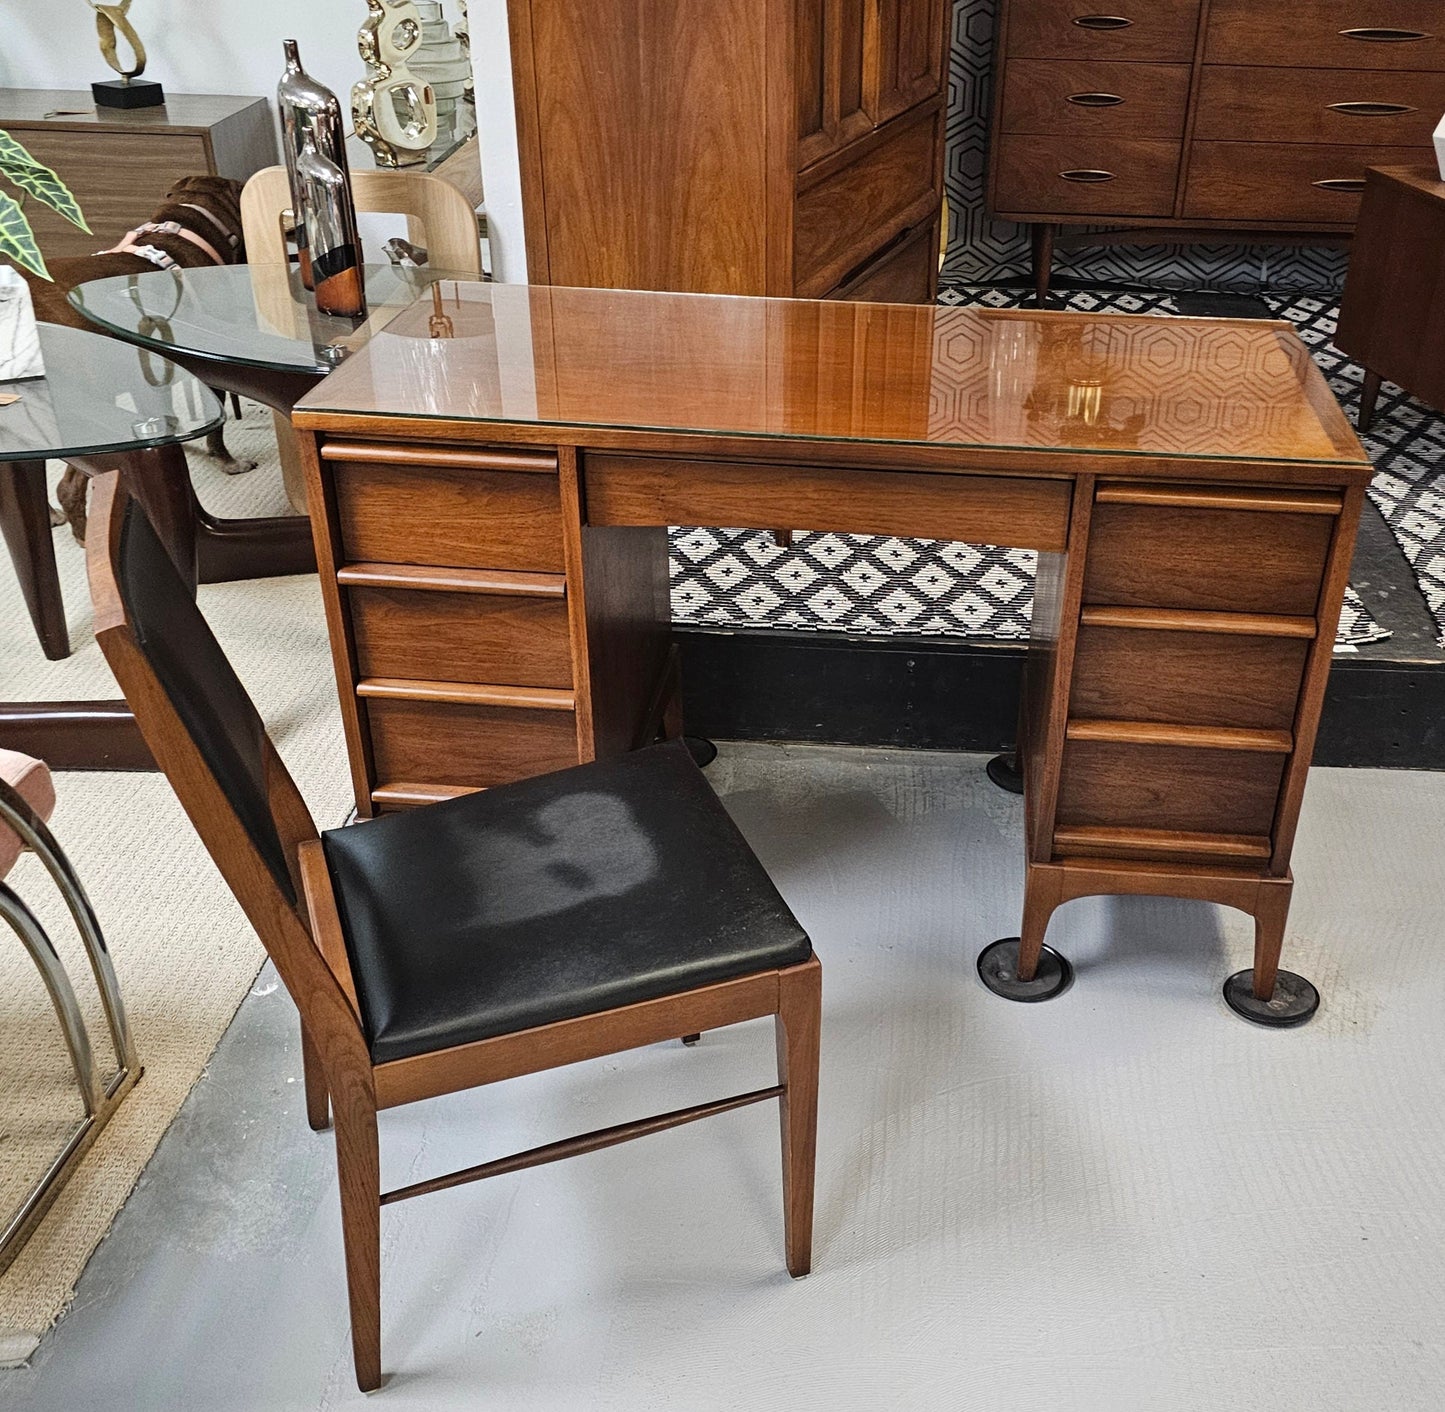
{"x": 1440, "y": 148}
{"x": 19, "y": 338}
{"x": 393, "y": 110}
{"x": 443, "y": 61}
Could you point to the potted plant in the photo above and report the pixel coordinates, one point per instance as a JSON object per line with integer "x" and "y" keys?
{"x": 19, "y": 341}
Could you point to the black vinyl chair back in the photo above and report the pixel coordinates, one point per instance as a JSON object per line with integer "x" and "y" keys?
{"x": 201, "y": 684}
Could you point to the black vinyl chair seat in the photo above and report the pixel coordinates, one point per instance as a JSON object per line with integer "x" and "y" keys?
{"x": 464, "y": 920}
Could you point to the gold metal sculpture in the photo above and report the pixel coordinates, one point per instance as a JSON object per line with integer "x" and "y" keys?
{"x": 112, "y": 25}
{"x": 393, "y": 111}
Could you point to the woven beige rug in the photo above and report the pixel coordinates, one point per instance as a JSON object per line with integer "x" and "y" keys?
{"x": 184, "y": 954}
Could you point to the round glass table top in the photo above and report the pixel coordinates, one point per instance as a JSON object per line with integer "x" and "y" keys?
{"x": 259, "y": 316}
{"x": 99, "y": 395}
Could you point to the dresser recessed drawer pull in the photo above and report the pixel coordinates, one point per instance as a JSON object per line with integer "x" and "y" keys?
{"x": 1095, "y": 100}
{"x": 1370, "y": 110}
{"x": 1382, "y": 36}
{"x": 1087, "y": 175}
{"x": 1346, "y": 184}
{"x": 1103, "y": 22}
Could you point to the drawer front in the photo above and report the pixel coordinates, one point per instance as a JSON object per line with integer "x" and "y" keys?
{"x": 901, "y": 273}
{"x": 1243, "y": 561}
{"x": 493, "y": 639}
{"x": 1329, "y": 106}
{"x": 452, "y": 517}
{"x": 1111, "y": 785}
{"x": 1328, "y": 34}
{"x": 839, "y": 220}
{"x": 1187, "y": 678}
{"x": 1270, "y": 181}
{"x": 1151, "y": 29}
{"x": 1083, "y": 176}
{"x": 426, "y": 742}
{"x": 1094, "y": 99}
{"x": 118, "y": 178}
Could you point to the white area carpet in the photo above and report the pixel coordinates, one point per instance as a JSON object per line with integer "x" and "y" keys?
{"x": 183, "y": 953}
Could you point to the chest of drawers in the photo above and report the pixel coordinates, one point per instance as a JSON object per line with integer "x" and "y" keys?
{"x": 1194, "y": 119}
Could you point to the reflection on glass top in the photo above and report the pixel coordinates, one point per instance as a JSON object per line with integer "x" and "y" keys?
{"x": 900, "y": 373}
{"x": 256, "y": 315}
{"x": 98, "y": 395}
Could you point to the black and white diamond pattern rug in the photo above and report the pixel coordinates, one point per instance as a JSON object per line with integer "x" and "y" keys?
{"x": 879, "y": 585}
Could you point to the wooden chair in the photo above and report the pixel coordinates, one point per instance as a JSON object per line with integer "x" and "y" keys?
{"x": 438, "y": 216}
{"x": 578, "y": 914}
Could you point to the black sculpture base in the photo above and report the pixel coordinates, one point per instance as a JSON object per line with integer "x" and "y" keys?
{"x": 137, "y": 93}
{"x": 1293, "y": 1002}
{"x": 998, "y": 969}
{"x": 1004, "y": 771}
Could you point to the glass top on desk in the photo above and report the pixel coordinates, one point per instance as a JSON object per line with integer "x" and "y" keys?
{"x": 256, "y": 315}
{"x": 98, "y": 396}
{"x": 890, "y": 373}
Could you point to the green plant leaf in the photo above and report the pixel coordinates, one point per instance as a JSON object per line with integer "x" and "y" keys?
{"x": 38, "y": 181}
{"x": 17, "y": 240}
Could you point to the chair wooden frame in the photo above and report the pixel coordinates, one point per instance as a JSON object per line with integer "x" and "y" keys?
{"x": 435, "y": 210}
{"x": 310, "y": 955}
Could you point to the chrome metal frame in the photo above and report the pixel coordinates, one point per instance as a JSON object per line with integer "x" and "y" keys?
{"x": 101, "y": 1097}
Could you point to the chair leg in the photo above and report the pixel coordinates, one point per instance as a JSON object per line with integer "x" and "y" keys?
{"x": 798, "y": 1024}
{"x": 358, "y": 1169}
{"x": 318, "y": 1102}
{"x": 62, "y": 995}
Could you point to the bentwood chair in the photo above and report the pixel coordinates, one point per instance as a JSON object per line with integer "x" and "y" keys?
{"x": 27, "y": 798}
{"x": 578, "y": 914}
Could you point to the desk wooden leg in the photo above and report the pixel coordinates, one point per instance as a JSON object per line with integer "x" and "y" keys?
{"x": 1022, "y": 967}
{"x": 1369, "y": 392}
{"x": 1267, "y": 995}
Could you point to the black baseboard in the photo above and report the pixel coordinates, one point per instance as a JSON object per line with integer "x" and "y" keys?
{"x": 938, "y": 695}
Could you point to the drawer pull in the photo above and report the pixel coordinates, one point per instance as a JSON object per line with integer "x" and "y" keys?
{"x": 1095, "y": 100}
{"x": 1103, "y": 22}
{"x": 1370, "y": 110}
{"x": 1087, "y": 175}
{"x": 1382, "y": 36}
{"x": 1340, "y": 184}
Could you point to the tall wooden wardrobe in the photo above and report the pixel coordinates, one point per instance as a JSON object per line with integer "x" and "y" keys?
{"x": 783, "y": 147}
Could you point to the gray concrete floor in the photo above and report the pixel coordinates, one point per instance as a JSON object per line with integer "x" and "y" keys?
{"x": 1126, "y": 1198}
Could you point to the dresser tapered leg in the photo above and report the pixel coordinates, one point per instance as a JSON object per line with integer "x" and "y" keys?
{"x": 1369, "y": 392}
{"x": 1042, "y": 236}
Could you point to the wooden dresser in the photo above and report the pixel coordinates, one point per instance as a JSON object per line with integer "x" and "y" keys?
{"x": 1193, "y": 119}
{"x": 120, "y": 163}
{"x": 735, "y": 147}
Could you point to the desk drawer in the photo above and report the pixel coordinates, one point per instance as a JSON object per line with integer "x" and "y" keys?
{"x": 430, "y": 742}
{"x": 1329, "y": 106}
{"x": 1278, "y": 181}
{"x": 1104, "y": 29}
{"x": 1186, "y": 678}
{"x": 1095, "y": 98}
{"x": 1086, "y": 176}
{"x": 460, "y": 637}
{"x": 404, "y": 505}
{"x": 1335, "y": 34}
{"x": 1124, "y": 786}
{"x": 1243, "y": 561}
{"x": 981, "y": 509}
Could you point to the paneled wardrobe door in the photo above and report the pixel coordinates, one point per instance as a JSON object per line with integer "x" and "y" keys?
{"x": 904, "y": 55}
{"x": 832, "y": 79}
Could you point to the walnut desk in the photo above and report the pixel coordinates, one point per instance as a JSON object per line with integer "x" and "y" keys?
{"x": 491, "y": 483}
